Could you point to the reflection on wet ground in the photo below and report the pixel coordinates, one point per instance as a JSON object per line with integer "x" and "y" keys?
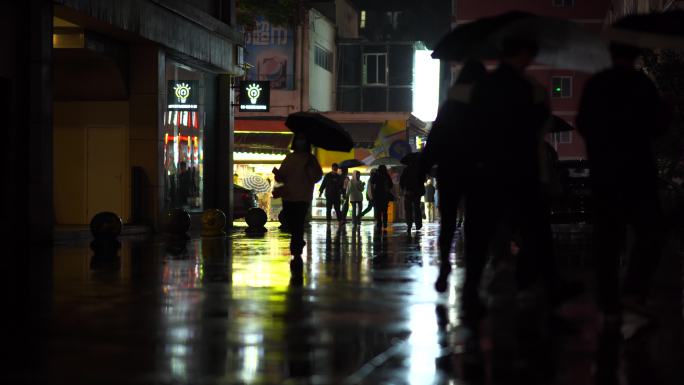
{"x": 225, "y": 310}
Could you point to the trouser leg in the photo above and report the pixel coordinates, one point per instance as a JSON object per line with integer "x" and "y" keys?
{"x": 649, "y": 230}
{"x": 296, "y": 212}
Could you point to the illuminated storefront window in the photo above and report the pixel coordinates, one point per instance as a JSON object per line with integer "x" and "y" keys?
{"x": 183, "y": 137}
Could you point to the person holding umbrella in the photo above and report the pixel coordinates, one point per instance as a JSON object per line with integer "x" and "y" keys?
{"x": 412, "y": 182}
{"x": 355, "y": 195}
{"x": 620, "y": 114}
{"x": 299, "y": 172}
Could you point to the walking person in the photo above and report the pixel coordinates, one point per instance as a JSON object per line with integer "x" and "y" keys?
{"x": 332, "y": 186}
{"x": 355, "y": 196}
{"x": 450, "y": 146}
{"x": 620, "y": 113}
{"x": 412, "y": 183}
{"x": 430, "y": 201}
{"x": 381, "y": 191}
{"x": 369, "y": 194}
{"x": 299, "y": 172}
{"x": 344, "y": 196}
{"x": 509, "y": 115}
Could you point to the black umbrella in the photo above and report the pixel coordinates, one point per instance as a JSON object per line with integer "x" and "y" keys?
{"x": 469, "y": 40}
{"x": 410, "y": 158}
{"x": 559, "y": 125}
{"x": 562, "y": 43}
{"x": 321, "y": 131}
{"x": 649, "y": 30}
{"x": 349, "y": 163}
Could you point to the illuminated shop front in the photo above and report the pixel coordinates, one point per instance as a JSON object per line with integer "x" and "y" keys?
{"x": 255, "y": 155}
{"x": 183, "y": 137}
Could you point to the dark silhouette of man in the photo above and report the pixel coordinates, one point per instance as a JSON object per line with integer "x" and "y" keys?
{"x": 448, "y": 146}
{"x": 504, "y": 192}
{"x": 332, "y": 186}
{"x": 412, "y": 183}
{"x": 620, "y": 113}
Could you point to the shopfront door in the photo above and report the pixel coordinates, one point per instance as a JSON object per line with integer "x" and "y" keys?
{"x": 106, "y": 169}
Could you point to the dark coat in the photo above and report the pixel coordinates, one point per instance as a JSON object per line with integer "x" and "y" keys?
{"x": 509, "y": 113}
{"x": 381, "y": 188}
{"x": 620, "y": 112}
{"x": 412, "y": 180}
{"x": 332, "y": 184}
{"x": 448, "y": 141}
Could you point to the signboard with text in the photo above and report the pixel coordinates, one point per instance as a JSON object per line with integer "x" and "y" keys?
{"x": 270, "y": 49}
{"x": 255, "y": 96}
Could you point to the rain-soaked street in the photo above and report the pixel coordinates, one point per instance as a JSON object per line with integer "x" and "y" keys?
{"x": 225, "y": 310}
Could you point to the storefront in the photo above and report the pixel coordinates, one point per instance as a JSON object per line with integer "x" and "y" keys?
{"x": 185, "y": 119}
{"x": 259, "y": 146}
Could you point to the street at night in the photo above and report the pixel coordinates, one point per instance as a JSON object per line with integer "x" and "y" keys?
{"x": 226, "y": 310}
{"x": 458, "y": 192}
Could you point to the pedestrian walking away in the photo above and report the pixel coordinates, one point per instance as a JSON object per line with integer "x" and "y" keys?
{"x": 450, "y": 145}
{"x": 430, "y": 201}
{"x": 332, "y": 186}
{"x": 299, "y": 172}
{"x": 355, "y": 189}
{"x": 381, "y": 191}
{"x": 620, "y": 113}
{"x": 412, "y": 183}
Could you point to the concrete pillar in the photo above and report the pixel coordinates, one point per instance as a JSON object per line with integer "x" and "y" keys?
{"x": 147, "y": 72}
{"x": 224, "y": 159}
{"x": 26, "y": 73}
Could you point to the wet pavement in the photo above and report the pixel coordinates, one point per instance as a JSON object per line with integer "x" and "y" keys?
{"x": 226, "y": 311}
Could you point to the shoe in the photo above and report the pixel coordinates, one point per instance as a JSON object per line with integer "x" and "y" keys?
{"x": 419, "y": 226}
{"x": 442, "y": 281}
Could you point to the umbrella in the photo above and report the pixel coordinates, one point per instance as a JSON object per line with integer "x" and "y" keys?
{"x": 256, "y": 183}
{"x": 650, "y": 30}
{"x": 410, "y": 158}
{"x": 562, "y": 43}
{"x": 349, "y": 163}
{"x": 387, "y": 161}
{"x": 559, "y": 125}
{"x": 469, "y": 40}
{"x": 321, "y": 131}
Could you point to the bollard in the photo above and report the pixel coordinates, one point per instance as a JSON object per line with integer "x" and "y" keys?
{"x": 177, "y": 224}
{"x": 256, "y": 219}
{"x": 105, "y": 228}
{"x": 213, "y": 222}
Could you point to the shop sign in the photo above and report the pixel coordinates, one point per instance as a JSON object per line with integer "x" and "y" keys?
{"x": 255, "y": 96}
{"x": 182, "y": 94}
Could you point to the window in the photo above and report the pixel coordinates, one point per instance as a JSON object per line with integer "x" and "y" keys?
{"x": 375, "y": 69}
{"x": 561, "y": 87}
{"x": 563, "y": 3}
{"x": 323, "y": 58}
{"x": 564, "y": 137}
{"x": 362, "y": 22}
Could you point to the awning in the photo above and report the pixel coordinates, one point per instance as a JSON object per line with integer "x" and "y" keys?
{"x": 262, "y": 142}
{"x": 261, "y": 135}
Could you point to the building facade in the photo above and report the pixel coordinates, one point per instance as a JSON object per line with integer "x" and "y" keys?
{"x": 117, "y": 106}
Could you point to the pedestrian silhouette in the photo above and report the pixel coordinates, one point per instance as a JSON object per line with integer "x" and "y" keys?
{"x": 332, "y": 186}
{"x": 381, "y": 191}
{"x": 448, "y": 148}
{"x": 509, "y": 114}
{"x": 412, "y": 183}
{"x": 299, "y": 172}
{"x": 354, "y": 194}
{"x": 620, "y": 113}
{"x": 369, "y": 196}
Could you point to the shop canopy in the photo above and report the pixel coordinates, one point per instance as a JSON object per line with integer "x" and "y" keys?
{"x": 271, "y": 136}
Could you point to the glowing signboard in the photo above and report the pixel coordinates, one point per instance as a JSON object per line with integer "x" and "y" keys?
{"x": 255, "y": 96}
